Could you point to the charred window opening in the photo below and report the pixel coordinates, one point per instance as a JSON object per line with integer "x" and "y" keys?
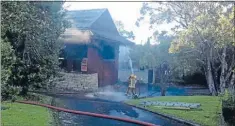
{"x": 108, "y": 52}
{"x": 71, "y": 57}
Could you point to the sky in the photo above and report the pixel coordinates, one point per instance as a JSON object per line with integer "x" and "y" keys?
{"x": 126, "y": 12}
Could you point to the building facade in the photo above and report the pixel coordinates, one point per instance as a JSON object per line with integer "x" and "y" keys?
{"x": 94, "y": 37}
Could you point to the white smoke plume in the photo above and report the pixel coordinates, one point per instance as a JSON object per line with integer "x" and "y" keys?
{"x": 76, "y": 36}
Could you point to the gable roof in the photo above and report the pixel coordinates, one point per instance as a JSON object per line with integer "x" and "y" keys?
{"x": 99, "y": 22}
{"x": 84, "y": 19}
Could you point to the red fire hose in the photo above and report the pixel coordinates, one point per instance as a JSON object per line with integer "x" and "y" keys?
{"x": 88, "y": 113}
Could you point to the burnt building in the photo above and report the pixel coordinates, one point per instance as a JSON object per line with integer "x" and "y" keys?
{"x": 94, "y": 39}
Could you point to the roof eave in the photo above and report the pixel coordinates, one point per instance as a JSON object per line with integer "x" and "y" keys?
{"x": 125, "y": 43}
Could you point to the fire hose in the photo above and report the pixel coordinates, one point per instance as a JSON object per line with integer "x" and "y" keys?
{"x": 88, "y": 113}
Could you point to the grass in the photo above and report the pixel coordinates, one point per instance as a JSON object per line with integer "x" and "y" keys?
{"x": 207, "y": 116}
{"x": 24, "y": 115}
{"x": 19, "y": 114}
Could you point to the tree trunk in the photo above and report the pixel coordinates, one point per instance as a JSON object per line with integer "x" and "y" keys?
{"x": 223, "y": 70}
{"x": 162, "y": 81}
{"x": 24, "y": 91}
{"x": 154, "y": 70}
{"x": 232, "y": 86}
{"x": 163, "y": 91}
{"x": 222, "y": 84}
{"x": 210, "y": 83}
{"x": 215, "y": 75}
{"x": 232, "y": 80}
{"x": 209, "y": 76}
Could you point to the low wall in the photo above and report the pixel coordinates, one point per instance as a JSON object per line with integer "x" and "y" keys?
{"x": 78, "y": 82}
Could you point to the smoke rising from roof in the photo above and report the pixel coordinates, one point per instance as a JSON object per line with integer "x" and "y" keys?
{"x": 76, "y": 36}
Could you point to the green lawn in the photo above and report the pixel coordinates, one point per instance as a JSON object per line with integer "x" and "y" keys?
{"x": 25, "y": 115}
{"x": 208, "y": 116}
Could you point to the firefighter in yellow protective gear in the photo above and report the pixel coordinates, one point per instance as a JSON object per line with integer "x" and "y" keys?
{"x": 132, "y": 82}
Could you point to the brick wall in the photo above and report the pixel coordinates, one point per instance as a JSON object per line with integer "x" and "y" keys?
{"x": 107, "y": 69}
{"x": 94, "y": 64}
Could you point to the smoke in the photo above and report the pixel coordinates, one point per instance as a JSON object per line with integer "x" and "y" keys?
{"x": 124, "y": 58}
{"x": 108, "y": 93}
{"x": 76, "y": 36}
{"x": 123, "y": 53}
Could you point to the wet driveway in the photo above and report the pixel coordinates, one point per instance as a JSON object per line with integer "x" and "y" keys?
{"x": 108, "y": 102}
{"x": 105, "y": 107}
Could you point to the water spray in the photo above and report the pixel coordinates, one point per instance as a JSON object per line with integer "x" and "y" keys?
{"x": 129, "y": 59}
{"x": 130, "y": 63}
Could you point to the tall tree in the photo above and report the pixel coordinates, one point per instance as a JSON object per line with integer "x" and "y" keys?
{"x": 155, "y": 56}
{"x": 196, "y": 31}
{"x": 7, "y": 61}
{"x": 33, "y": 29}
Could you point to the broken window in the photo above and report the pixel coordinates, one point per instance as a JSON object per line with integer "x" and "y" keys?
{"x": 108, "y": 52}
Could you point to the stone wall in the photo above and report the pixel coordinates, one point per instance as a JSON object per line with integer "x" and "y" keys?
{"x": 78, "y": 82}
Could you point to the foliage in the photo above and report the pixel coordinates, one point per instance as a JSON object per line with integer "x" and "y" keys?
{"x": 33, "y": 29}
{"x": 209, "y": 115}
{"x": 228, "y": 108}
{"x": 7, "y": 61}
{"x": 155, "y": 56}
{"x": 123, "y": 32}
{"x": 204, "y": 36}
{"x": 143, "y": 55}
{"x": 152, "y": 55}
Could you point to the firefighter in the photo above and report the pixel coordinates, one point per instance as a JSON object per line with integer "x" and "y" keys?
{"x": 131, "y": 87}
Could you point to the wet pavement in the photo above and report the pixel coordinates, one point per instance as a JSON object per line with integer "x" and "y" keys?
{"x": 108, "y": 101}
{"x": 109, "y": 108}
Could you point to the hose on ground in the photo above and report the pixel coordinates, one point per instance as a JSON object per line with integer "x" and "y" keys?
{"x": 88, "y": 113}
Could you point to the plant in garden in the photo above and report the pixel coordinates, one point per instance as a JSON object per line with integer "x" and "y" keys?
{"x": 204, "y": 36}
{"x": 7, "y": 61}
{"x": 32, "y": 30}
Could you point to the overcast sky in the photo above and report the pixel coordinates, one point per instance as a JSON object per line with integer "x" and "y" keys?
{"x": 127, "y": 12}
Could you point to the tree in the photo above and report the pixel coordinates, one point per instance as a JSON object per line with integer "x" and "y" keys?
{"x": 33, "y": 29}
{"x": 155, "y": 56}
{"x": 7, "y": 61}
{"x": 225, "y": 48}
{"x": 196, "y": 33}
{"x": 123, "y": 32}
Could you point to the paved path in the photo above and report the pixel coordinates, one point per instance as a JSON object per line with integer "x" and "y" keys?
{"x": 106, "y": 107}
{"x": 111, "y": 105}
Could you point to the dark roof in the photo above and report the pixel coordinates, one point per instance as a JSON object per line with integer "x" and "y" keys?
{"x": 99, "y": 22}
{"x": 85, "y": 18}
{"x": 110, "y": 36}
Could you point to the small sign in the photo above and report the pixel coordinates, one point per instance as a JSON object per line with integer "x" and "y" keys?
{"x": 84, "y": 65}
{"x": 84, "y": 61}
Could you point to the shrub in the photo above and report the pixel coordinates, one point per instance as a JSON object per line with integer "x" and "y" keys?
{"x": 228, "y": 108}
{"x": 7, "y": 61}
{"x": 30, "y": 57}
